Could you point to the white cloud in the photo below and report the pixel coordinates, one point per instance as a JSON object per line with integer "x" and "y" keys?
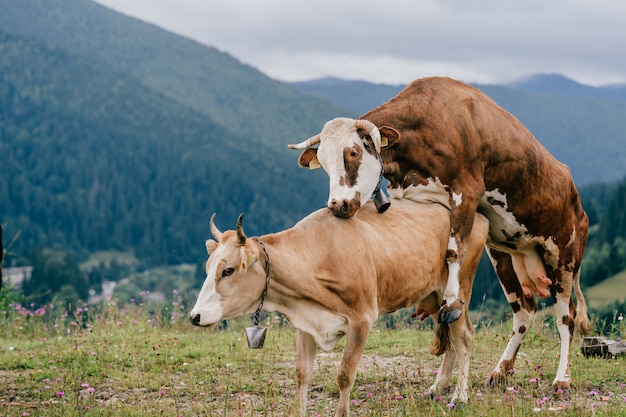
{"x": 397, "y": 41}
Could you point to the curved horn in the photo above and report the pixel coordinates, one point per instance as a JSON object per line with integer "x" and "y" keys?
{"x": 371, "y": 129}
{"x": 307, "y": 143}
{"x": 240, "y": 234}
{"x": 214, "y": 230}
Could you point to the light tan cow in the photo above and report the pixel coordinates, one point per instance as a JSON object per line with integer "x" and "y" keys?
{"x": 334, "y": 277}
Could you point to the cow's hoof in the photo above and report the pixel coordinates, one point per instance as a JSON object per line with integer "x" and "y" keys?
{"x": 561, "y": 391}
{"x": 562, "y": 394}
{"x": 451, "y": 313}
{"x": 496, "y": 380}
{"x": 456, "y": 406}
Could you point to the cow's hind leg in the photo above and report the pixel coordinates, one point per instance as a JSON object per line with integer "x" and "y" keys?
{"x": 355, "y": 343}
{"x": 563, "y": 307}
{"x": 461, "y": 342}
{"x": 306, "y": 349}
{"x": 568, "y": 318}
{"x": 523, "y": 312}
{"x": 460, "y": 347}
{"x": 440, "y": 345}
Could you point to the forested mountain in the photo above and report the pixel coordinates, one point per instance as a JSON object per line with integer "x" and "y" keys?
{"x": 95, "y": 160}
{"x": 212, "y": 82}
{"x": 586, "y": 133}
{"x": 117, "y": 134}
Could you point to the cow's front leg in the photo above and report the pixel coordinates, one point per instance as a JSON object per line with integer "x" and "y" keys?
{"x": 355, "y": 343}
{"x": 462, "y": 213}
{"x": 306, "y": 349}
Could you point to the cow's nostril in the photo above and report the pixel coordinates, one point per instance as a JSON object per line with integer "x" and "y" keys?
{"x": 344, "y": 207}
{"x": 195, "y": 319}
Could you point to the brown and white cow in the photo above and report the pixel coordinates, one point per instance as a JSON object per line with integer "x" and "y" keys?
{"x": 332, "y": 277}
{"x": 442, "y": 141}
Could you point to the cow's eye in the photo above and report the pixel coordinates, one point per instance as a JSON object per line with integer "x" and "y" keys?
{"x": 354, "y": 153}
{"x": 228, "y": 272}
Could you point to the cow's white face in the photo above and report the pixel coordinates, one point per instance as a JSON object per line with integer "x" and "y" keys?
{"x": 352, "y": 166}
{"x": 233, "y": 283}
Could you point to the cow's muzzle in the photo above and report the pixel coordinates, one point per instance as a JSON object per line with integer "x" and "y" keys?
{"x": 344, "y": 208}
{"x": 195, "y": 319}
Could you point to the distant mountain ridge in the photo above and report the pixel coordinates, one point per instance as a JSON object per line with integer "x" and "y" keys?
{"x": 561, "y": 85}
{"x": 346, "y": 92}
{"x": 359, "y": 96}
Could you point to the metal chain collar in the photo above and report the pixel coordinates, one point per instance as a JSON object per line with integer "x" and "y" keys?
{"x": 255, "y": 318}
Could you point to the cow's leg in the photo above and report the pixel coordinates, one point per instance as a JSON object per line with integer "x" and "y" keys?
{"x": 459, "y": 351}
{"x": 568, "y": 317}
{"x": 355, "y": 343}
{"x": 564, "y": 314}
{"x": 444, "y": 373}
{"x": 306, "y": 349}
{"x": 459, "y": 333}
{"x": 461, "y": 339}
{"x": 462, "y": 212}
{"x": 524, "y": 309}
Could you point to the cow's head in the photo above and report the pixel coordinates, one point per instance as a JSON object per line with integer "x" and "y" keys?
{"x": 349, "y": 152}
{"x": 234, "y": 279}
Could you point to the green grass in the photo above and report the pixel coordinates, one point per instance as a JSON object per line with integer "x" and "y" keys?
{"x": 607, "y": 292}
{"x": 125, "y": 361}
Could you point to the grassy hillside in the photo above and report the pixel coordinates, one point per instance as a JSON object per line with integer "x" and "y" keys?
{"x": 607, "y": 292}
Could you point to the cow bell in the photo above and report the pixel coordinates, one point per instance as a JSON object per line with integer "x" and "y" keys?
{"x": 256, "y": 336}
{"x": 381, "y": 201}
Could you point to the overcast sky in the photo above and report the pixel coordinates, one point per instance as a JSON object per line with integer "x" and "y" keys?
{"x": 397, "y": 41}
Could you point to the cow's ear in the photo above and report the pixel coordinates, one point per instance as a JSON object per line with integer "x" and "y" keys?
{"x": 211, "y": 245}
{"x": 248, "y": 258}
{"x": 308, "y": 159}
{"x": 251, "y": 259}
{"x": 388, "y": 135}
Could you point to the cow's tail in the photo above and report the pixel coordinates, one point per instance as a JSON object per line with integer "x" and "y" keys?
{"x": 440, "y": 342}
{"x": 581, "y": 321}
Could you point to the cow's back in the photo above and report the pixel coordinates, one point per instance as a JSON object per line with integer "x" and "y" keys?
{"x": 458, "y": 121}
{"x": 396, "y": 255}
